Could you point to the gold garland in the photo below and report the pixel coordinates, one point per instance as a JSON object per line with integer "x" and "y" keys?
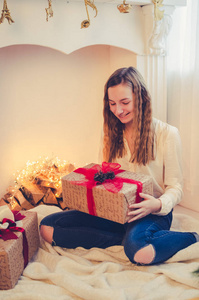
{"x": 158, "y": 14}
{"x": 123, "y": 8}
{"x": 5, "y": 14}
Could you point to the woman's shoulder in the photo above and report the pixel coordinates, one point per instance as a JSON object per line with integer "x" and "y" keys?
{"x": 167, "y": 137}
{"x": 163, "y": 129}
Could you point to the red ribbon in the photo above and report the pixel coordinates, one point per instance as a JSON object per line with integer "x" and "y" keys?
{"x": 8, "y": 234}
{"x": 112, "y": 185}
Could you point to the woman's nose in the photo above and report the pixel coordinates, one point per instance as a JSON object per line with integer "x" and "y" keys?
{"x": 119, "y": 110}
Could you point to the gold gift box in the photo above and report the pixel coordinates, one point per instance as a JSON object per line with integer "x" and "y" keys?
{"x": 111, "y": 206}
{"x": 11, "y": 251}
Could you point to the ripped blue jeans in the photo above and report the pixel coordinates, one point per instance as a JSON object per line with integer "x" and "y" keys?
{"x": 77, "y": 229}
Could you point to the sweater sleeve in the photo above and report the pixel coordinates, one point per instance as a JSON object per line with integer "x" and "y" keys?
{"x": 172, "y": 171}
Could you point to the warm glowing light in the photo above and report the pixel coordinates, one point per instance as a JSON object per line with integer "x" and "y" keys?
{"x": 45, "y": 174}
{"x": 47, "y": 170}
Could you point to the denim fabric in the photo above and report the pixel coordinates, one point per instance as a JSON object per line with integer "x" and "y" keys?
{"x": 77, "y": 229}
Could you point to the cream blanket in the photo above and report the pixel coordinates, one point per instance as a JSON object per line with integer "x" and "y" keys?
{"x": 96, "y": 274}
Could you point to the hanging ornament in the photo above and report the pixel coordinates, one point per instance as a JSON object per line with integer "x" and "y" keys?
{"x": 124, "y": 8}
{"x": 158, "y": 14}
{"x": 49, "y": 10}
{"x": 5, "y": 14}
{"x": 86, "y": 23}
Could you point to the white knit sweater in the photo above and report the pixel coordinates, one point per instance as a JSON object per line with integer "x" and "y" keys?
{"x": 166, "y": 169}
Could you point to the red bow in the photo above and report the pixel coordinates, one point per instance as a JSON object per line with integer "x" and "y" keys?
{"x": 8, "y": 233}
{"x": 112, "y": 185}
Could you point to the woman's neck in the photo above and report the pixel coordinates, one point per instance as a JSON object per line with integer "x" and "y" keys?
{"x": 129, "y": 129}
{"x": 129, "y": 133}
{"x": 129, "y": 126}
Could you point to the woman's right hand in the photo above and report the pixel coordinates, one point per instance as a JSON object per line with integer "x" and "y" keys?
{"x": 147, "y": 206}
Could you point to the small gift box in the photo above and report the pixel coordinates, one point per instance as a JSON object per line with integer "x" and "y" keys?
{"x": 104, "y": 191}
{"x": 19, "y": 240}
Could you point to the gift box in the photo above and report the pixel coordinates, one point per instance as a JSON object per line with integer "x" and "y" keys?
{"x": 104, "y": 191}
{"x": 16, "y": 253}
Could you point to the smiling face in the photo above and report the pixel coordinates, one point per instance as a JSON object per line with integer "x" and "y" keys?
{"x": 121, "y": 102}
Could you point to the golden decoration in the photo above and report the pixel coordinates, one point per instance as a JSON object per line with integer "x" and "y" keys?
{"x": 124, "y": 8}
{"x": 86, "y": 23}
{"x": 38, "y": 183}
{"x": 158, "y": 13}
{"x": 49, "y": 11}
{"x": 5, "y": 14}
{"x": 52, "y": 169}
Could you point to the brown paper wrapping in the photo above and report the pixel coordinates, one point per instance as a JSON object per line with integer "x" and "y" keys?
{"x": 111, "y": 206}
{"x": 11, "y": 251}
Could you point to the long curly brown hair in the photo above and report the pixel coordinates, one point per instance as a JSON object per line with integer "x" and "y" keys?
{"x": 142, "y": 123}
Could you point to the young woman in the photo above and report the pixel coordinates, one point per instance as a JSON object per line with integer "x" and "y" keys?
{"x": 142, "y": 144}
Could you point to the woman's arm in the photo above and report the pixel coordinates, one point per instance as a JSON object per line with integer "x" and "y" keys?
{"x": 172, "y": 177}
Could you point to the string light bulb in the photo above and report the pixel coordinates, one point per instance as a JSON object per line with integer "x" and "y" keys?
{"x": 45, "y": 172}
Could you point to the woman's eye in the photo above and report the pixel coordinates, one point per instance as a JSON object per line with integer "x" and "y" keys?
{"x": 125, "y": 103}
{"x": 111, "y": 104}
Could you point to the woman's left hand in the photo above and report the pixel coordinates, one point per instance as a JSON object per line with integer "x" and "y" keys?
{"x": 147, "y": 206}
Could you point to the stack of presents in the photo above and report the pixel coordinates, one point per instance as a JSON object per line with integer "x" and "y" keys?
{"x": 104, "y": 190}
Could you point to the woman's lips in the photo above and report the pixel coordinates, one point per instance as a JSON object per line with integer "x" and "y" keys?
{"x": 123, "y": 116}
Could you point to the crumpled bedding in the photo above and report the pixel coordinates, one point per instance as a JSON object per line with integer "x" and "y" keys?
{"x": 96, "y": 274}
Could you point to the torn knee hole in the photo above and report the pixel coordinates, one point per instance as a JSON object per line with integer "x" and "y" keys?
{"x": 47, "y": 233}
{"x": 145, "y": 255}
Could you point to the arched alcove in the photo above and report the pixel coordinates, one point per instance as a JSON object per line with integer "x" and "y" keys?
{"x": 51, "y": 103}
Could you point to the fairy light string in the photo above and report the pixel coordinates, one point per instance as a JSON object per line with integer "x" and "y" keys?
{"x": 45, "y": 173}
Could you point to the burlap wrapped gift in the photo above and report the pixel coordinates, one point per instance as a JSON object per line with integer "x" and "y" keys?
{"x": 12, "y": 253}
{"x": 78, "y": 188}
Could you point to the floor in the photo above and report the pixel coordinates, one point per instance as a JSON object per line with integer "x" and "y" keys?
{"x": 182, "y": 210}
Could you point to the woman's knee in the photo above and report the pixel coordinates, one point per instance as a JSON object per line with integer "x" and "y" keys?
{"x": 138, "y": 252}
{"x": 47, "y": 233}
{"x": 145, "y": 255}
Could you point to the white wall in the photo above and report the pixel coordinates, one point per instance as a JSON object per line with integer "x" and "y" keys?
{"x": 63, "y": 31}
{"x": 51, "y": 103}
